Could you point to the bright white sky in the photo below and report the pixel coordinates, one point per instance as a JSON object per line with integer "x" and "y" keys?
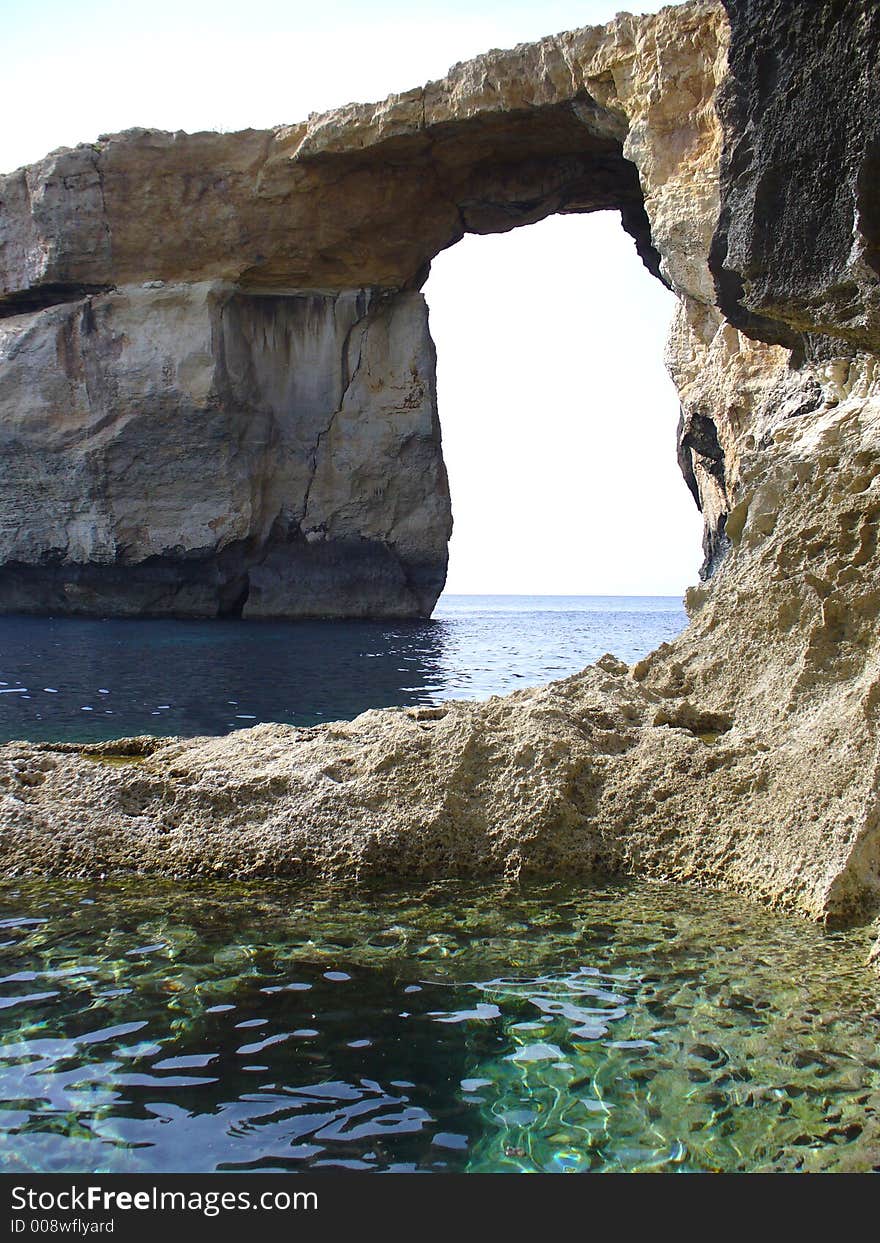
{"x": 558, "y": 417}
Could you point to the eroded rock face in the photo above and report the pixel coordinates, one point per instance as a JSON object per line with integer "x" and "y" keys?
{"x": 745, "y": 753}
{"x": 798, "y": 252}
{"x": 195, "y": 450}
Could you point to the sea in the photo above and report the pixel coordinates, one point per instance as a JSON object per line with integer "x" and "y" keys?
{"x": 86, "y": 679}
{"x": 566, "y": 1025}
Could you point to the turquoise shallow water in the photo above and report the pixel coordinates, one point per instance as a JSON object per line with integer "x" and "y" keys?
{"x": 456, "y": 1027}
{"x": 84, "y": 679}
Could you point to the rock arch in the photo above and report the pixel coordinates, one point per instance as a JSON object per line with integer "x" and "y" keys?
{"x": 744, "y": 754}
{"x": 218, "y": 389}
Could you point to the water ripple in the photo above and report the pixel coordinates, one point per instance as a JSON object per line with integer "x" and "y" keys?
{"x": 122, "y": 677}
{"x": 464, "y": 1027}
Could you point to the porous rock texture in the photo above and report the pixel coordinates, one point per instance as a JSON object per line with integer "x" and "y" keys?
{"x": 740, "y": 144}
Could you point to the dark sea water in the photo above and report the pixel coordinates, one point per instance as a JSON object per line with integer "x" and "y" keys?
{"x": 83, "y": 679}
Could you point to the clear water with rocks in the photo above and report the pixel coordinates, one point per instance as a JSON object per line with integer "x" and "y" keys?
{"x": 564, "y": 1028}
{"x": 455, "y": 1027}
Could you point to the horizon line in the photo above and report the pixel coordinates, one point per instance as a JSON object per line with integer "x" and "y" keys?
{"x": 585, "y": 595}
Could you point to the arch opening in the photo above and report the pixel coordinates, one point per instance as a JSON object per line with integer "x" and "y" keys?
{"x": 269, "y": 443}
{"x": 558, "y": 415}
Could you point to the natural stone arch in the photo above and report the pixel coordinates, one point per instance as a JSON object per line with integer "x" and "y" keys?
{"x": 223, "y": 340}
{"x": 745, "y": 754}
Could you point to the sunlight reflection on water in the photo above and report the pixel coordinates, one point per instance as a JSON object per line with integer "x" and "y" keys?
{"x": 548, "y": 1027}
{"x": 85, "y": 679}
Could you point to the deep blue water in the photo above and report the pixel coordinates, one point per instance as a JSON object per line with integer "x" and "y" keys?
{"x": 85, "y": 679}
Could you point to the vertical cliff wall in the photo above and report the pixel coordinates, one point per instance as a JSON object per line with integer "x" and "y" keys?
{"x": 191, "y": 449}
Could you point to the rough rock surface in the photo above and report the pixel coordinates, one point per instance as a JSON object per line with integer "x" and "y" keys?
{"x": 796, "y": 251}
{"x": 744, "y": 754}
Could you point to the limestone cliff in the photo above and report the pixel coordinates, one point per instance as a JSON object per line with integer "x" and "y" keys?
{"x": 216, "y": 380}
{"x": 192, "y": 449}
{"x": 740, "y": 144}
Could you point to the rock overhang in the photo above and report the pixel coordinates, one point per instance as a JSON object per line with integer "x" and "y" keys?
{"x": 364, "y": 195}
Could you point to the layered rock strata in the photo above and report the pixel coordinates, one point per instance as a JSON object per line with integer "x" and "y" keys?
{"x": 745, "y": 753}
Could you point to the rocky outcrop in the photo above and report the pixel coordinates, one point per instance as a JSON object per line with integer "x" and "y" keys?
{"x": 745, "y": 753}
